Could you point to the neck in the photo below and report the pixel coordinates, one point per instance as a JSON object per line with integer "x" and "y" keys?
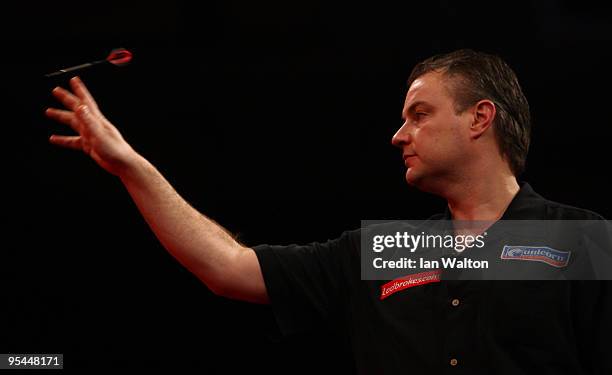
{"x": 483, "y": 198}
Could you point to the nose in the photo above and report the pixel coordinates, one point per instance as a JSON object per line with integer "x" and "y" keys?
{"x": 401, "y": 137}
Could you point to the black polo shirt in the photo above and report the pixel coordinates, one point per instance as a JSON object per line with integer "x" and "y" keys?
{"x": 455, "y": 327}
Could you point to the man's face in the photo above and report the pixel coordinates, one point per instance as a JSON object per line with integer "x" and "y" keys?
{"x": 433, "y": 137}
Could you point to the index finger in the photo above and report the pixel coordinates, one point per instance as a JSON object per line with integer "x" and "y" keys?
{"x": 66, "y": 98}
{"x": 79, "y": 88}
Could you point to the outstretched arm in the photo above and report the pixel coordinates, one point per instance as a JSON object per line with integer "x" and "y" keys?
{"x": 204, "y": 247}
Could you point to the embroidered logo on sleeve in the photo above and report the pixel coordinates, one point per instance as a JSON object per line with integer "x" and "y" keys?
{"x": 409, "y": 281}
{"x": 553, "y": 257}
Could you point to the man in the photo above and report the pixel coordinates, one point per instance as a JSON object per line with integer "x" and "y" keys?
{"x": 465, "y": 137}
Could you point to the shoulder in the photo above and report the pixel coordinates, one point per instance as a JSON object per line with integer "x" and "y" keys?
{"x": 559, "y": 211}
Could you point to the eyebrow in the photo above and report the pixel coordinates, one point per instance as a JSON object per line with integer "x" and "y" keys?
{"x": 413, "y": 106}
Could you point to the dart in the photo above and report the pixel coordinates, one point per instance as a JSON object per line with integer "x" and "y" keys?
{"x": 117, "y": 57}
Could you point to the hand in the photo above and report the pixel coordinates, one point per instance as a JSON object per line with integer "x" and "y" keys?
{"x": 97, "y": 137}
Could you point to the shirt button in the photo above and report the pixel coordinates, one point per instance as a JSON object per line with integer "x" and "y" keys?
{"x": 453, "y": 362}
{"x": 455, "y": 302}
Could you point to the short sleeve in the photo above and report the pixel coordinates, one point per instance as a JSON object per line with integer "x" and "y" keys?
{"x": 308, "y": 284}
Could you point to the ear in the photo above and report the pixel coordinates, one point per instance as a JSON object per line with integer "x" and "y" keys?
{"x": 484, "y": 114}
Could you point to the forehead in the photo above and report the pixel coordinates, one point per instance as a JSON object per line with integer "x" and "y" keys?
{"x": 431, "y": 88}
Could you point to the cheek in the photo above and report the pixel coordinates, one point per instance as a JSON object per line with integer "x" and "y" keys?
{"x": 427, "y": 141}
{"x": 435, "y": 146}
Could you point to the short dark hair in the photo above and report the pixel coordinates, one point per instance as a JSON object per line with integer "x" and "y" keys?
{"x": 477, "y": 76}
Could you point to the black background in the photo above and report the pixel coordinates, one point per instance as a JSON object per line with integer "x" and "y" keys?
{"x": 275, "y": 119}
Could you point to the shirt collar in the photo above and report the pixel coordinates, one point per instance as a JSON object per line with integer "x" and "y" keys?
{"x": 526, "y": 205}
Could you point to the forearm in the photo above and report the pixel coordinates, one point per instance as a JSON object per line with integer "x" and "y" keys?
{"x": 197, "y": 242}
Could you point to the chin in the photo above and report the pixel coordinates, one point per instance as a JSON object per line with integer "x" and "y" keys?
{"x": 418, "y": 180}
{"x": 412, "y": 178}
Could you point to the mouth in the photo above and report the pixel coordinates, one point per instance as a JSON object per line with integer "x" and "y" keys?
{"x": 407, "y": 158}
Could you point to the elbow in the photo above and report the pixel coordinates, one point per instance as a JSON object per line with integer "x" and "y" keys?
{"x": 236, "y": 290}
{"x": 217, "y": 290}
{"x": 239, "y": 278}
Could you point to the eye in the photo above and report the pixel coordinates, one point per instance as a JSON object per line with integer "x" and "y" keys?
{"x": 419, "y": 115}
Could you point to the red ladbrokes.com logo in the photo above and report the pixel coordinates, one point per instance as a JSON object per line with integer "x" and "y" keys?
{"x": 409, "y": 281}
